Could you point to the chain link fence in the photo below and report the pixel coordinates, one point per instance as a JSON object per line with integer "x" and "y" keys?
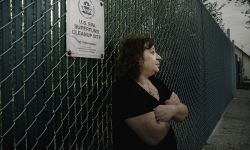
{"x": 50, "y": 101}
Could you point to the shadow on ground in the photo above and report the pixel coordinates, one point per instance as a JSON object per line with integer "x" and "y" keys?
{"x": 233, "y": 130}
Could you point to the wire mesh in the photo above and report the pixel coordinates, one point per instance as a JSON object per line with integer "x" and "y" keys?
{"x": 50, "y": 101}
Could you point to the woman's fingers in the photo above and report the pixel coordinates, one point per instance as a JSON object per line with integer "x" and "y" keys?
{"x": 164, "y": 112}
{"x": 173, "y": 100}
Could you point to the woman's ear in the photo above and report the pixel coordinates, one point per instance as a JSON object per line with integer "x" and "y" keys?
{"x": 141, "y": 61}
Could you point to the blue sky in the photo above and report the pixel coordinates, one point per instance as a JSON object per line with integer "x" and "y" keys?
{"x": 235, "y": 20}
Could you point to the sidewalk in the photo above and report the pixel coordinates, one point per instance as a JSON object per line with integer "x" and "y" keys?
{"x": 233, "y": 130}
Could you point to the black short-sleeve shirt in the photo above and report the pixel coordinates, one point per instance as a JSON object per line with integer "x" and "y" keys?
{"x": 129, "y": 99}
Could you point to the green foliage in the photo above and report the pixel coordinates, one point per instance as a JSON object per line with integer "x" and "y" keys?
{"x": 215, "y": 10}
{"x": 247, "y": 12}
{"x": 241, "y": 1}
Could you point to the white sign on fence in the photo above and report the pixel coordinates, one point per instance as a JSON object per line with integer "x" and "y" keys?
{"x": 85, "y": 28}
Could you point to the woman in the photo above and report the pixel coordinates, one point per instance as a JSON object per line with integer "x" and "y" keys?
{"x": 143, "y": 107}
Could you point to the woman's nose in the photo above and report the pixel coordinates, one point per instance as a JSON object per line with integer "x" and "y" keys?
{"x": 158, "y": 57}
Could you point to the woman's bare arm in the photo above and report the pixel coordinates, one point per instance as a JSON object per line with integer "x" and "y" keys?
{"x": 172, "y": 108}
{"x": 147, "y": 128}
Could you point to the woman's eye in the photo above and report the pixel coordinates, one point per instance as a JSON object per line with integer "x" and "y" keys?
{"x": 152, "y": 52}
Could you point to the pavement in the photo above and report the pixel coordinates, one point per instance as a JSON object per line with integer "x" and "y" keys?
{"x": 232, "y": 132}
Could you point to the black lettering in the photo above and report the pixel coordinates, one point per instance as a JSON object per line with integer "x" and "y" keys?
{"x": 82, "y": 22}
{"x": 90, "y": 24}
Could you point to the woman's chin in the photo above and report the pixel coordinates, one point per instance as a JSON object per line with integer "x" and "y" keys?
{"x": 156, "y": 71}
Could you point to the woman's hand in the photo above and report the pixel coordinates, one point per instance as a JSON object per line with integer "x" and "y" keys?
{"x": 172, "y": 110}
{"x": 165, "y": 113}
{"x": 173, "y": 100}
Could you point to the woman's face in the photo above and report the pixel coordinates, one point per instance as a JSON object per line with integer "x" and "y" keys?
{"x": 151, "y": 62}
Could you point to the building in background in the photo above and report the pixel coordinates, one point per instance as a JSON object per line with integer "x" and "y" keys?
{"x": 242, "y": 65}
{"x": 242, "y": 62}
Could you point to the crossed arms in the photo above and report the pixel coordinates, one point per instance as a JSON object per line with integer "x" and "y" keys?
{"x": 152, "y": 127}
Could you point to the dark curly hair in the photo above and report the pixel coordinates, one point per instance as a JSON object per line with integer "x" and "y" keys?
{"x": 130, "y": 55}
